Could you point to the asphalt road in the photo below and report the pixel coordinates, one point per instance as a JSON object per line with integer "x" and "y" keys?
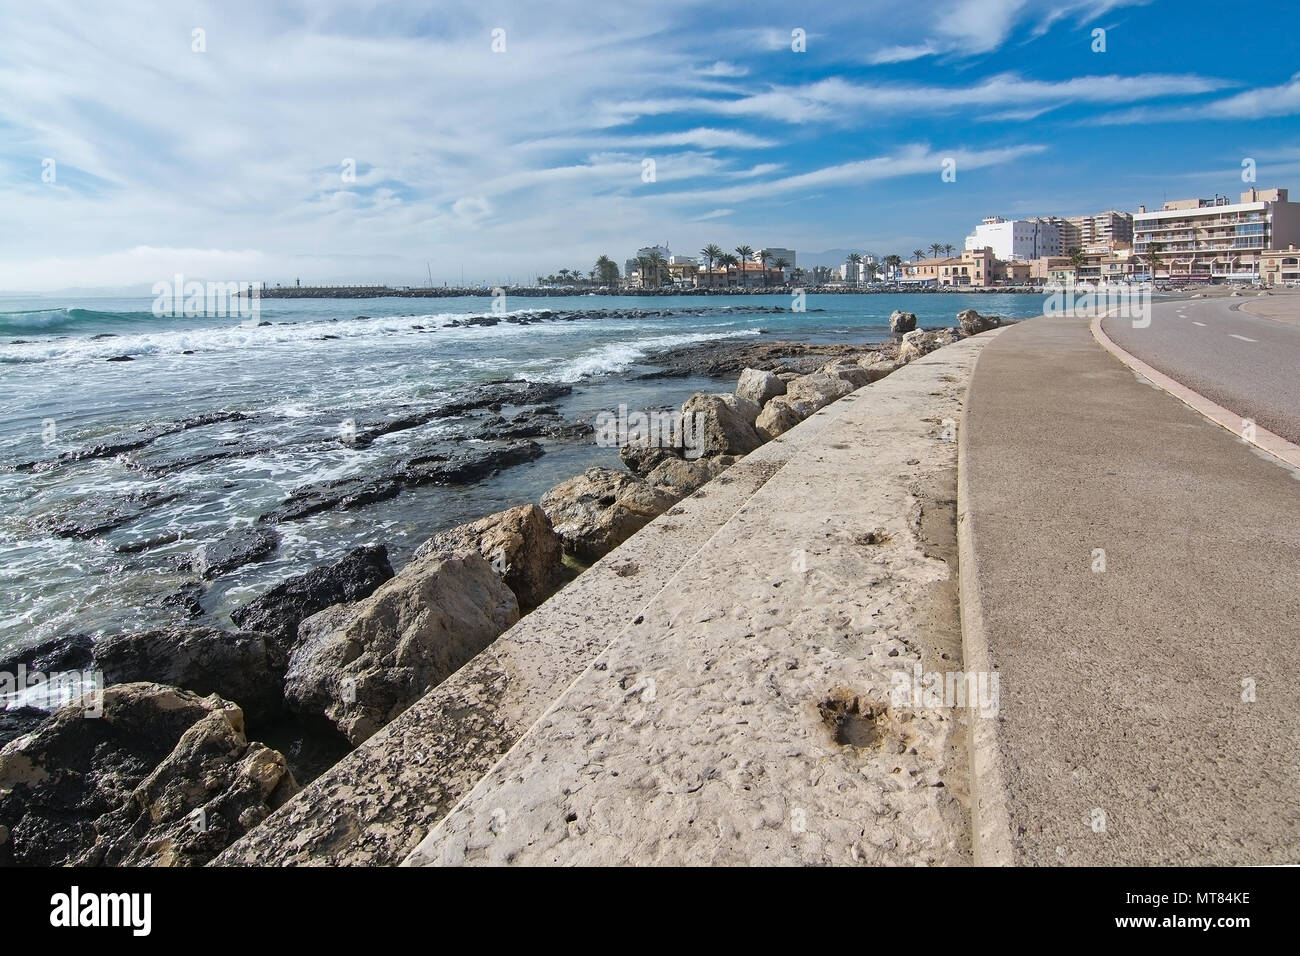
{"x": 1248, "y": 364}
{"x": 1138, "y": 569}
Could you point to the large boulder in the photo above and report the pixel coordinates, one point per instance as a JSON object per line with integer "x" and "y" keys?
{"x": 759, "y": 386}
{"x": 922, "y": 342}
{"x": 642, "y": 459}
{"x": 161, "y": 777}
{"x": 361, "y": 665}
{"x": 878, "y": 370}
{"x": 848, "y": 369}
{"x": 598, "y": 510}
{"x": 901, "y": 322}
{"x": 680, "y": 477}
{"x": 972, "y": 323}
{"x": 278, "y": 612}
{"x": 819, "y": 389}
{"x": 520, "y": 544}
{"x": 779, "y": 416}
{"x": 242, "y": 666}
{"x": 723, "y": 425}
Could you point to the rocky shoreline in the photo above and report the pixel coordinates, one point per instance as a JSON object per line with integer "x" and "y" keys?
{"x": 167, "y": 774}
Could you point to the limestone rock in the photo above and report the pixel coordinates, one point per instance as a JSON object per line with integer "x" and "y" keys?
{"x": 922, "y": 342}
{"x": 724, "y": 426}
{"x": 643, "y": 459}
{"x": 759, "y": 386}
{"x": 162, "y": 777}
{"x": 684, "y": 477}
{"x": 362, "y": 665}
{"x": 901, "y": 322}
{"x": 519, "y": 543}
{"x": 778, "y": 416}
{"x": 972, "y": 323}
{"x": 598, "y": 510}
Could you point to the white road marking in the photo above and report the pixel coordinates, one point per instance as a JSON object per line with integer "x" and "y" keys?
{"x": 1242, "y": 337}
{"x": 1201, "y": 324}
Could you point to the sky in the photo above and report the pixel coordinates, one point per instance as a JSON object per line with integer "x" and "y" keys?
{"x": 496, "y": 141}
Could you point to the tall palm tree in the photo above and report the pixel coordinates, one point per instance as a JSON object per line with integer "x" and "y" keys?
{"x": 655, "y": 262}
{"x": 743, "y": 254}
{"x": 947, "y": 248}
{"x": 711, "y": 254}
{"x": 893, "y": 261}
{"x": 782, "y": 264}
{"x": 935, "y": 249}
{"x": 606, "y": 270}
{"x": 917, "y": 254}
{"x": 1153, "y": 257}
{"x": 856, "y": 259}
{"x": 871, "y": 269}
{"x": 727, "y": 260}
{"x": 763, "y": 256}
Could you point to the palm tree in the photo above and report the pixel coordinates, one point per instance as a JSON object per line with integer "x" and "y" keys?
{"x": 871, "y": 269}
{"x": 1153, "y": 258}
{"x": 763, "y": 256}
{"x": 782, "y": 264}
{"x": 711, "y": 254}
{"x": 743, "y": 253}
{"x": 893, "y": 262}
{"x": 606, "y": 270}
{"x": 935, "y": 249}
{"x": 727, "y": 260}
{"x": 655, "y": 262}
{"x": 947, "y": 248}
{"x": 856, "y": 259}
{"x": 917, "y": 254}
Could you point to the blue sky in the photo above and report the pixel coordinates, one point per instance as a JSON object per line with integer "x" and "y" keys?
{"x": 227, "y": 163}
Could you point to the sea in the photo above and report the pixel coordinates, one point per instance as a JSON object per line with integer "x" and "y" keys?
{"x": 130, "y": 441}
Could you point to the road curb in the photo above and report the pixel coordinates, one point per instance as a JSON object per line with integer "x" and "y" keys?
{"x": 1265, "y": 440}
{"x": 990, "y": 821}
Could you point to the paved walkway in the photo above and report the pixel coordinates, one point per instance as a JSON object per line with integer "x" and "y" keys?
{"x": 1123, "y": 736}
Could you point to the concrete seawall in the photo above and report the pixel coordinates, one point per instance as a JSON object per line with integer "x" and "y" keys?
{"x": 716, "y": 690}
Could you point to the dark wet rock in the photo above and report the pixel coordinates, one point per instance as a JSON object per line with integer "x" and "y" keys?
{"x": 452, "y": 468}
{"x": 120, "y": 358}
{"x": 67, "y": 652}
{"x": 643, "y": 459}
{"x": 99, "y": 513}
{"x": 531, "y": 424}
{"x": 103, "y": 335}
{"x": 278, "y": 611}
{"x": 234, "y": 550}
{"x": 164, "y": 777}
{"x": 186, "y": 600}
{"x": 729, "y": 358}
{"x": 16, "y": 722}
{"x": 361, "y": 665}
{"x": 132, "y": 440}
{"x": 242, "y": 666}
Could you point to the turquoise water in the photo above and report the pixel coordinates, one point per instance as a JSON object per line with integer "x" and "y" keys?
{"x": 292, "y": 382}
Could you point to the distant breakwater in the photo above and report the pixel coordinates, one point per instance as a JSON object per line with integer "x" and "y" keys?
{"x": 380, "y": 292}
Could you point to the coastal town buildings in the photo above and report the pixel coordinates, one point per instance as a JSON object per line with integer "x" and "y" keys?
{"x": 1111, "y": 227}
{"x": 1215, "y": 240}
{"x": 1280, "y": 266}
{"x": 1018, "y": 239}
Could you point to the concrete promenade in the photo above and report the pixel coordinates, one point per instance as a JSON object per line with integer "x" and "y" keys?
{"x": 715, "y": 690}
{"x": 1123, "y": 736}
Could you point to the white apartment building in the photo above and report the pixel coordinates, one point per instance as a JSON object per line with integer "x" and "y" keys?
{"x": 1103, "y": 229}
{"x": 1211, "y": 240}
{"x": 1017, "y": 240}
